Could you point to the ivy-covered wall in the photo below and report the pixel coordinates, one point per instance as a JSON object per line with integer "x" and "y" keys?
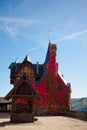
{"x": 54, "y": 92}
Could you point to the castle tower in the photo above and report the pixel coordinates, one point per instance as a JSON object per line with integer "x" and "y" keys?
{"x": 51, "y": 59}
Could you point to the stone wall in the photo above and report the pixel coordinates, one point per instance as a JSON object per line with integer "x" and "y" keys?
{"x": 22, "y": 117}
{"x": 77, "y": 114}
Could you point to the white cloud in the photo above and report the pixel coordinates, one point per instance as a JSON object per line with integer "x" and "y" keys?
{"x": 13, "y": 25}
{"x": 17, "y": 20}
{"x": 67, "y": 37}
{"x": 34, "y": 48}
{"x": 8, "y": 29}
{"x": 72, "y": 36}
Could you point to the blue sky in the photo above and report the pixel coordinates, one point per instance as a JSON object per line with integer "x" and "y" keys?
{"x": 26, "y": 27}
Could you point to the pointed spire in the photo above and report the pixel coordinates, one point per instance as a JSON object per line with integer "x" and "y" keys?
{"x": 47, "y": 55}
{"x": 49, "y": 42}
{"x": 51, "y": 48}
{"x": 27, "y": 59}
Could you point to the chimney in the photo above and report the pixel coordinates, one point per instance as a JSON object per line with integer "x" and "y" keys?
{"x": 37, "y": 67}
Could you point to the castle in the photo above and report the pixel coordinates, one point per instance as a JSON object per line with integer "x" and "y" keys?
{"x": 42, "y": 82}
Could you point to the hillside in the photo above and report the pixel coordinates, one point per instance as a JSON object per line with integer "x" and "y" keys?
{"x": 79, "y": 104}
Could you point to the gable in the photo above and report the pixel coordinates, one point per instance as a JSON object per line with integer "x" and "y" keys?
{"x": 24, "y": 89}
{"x": 26, "y": 68}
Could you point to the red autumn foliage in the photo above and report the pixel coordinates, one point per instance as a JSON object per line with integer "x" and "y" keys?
{"x": 21, "y": 101}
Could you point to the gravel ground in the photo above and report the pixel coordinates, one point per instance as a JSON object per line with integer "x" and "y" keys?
{"x": 44, "y": 123}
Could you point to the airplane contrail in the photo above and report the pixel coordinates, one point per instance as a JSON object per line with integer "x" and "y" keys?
{"x": 67, "y": 37}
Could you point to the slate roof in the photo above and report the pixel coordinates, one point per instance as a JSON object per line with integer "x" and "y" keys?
{"x": 14, "y": 67}
{"x": 47, "y": 55}
{"x": 12, "y": 92}
{"x": 27, "y": 59}
{"x": 40, "y": 68}
{"x": 2, "y": 100}
{"x": 62, "y": 78}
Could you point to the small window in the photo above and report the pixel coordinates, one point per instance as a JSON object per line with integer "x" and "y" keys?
{"x": 24, "y": 78}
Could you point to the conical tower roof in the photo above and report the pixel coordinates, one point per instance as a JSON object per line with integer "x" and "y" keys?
{"x": 27, "y": 59}
{"x": 48, "y": 54}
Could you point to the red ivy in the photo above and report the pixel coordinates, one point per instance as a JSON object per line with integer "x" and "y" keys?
{"x": 21, "y": 101}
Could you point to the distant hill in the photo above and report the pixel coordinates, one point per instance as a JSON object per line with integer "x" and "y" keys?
{"x": 79, "y": 104}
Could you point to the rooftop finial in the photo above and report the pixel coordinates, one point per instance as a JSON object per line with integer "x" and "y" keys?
{"x": 28, "y": 58}
{"x": 16, "y": 61}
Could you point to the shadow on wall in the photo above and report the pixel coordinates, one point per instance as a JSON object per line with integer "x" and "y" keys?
{"x": 4, "y": 115}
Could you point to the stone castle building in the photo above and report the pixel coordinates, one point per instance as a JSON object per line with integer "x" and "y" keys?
{"x": 39, "y": 85}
